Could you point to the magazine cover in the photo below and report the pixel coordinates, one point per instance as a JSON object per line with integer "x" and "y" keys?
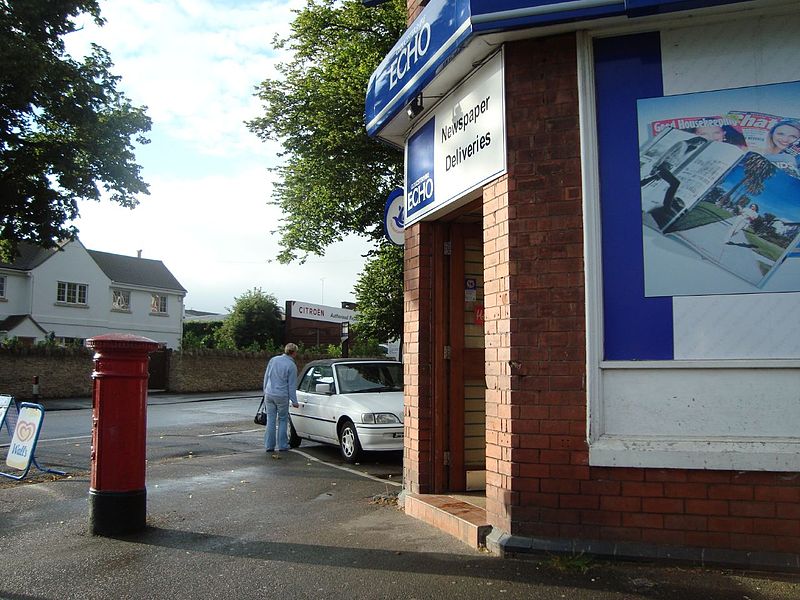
{"x": 725, "y": 186}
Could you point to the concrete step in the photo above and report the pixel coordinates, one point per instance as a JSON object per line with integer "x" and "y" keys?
{"x": 463, "y": 520}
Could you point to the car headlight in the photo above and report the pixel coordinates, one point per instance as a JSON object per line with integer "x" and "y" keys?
{"x": 379, "y": 418}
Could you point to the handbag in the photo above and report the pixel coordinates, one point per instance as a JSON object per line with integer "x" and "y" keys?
{"x": 261, "y": 414}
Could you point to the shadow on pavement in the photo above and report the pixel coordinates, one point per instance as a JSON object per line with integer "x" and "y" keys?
{"x": 645, "y": 582}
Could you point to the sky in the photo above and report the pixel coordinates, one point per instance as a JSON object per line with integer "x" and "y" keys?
{"x": 195, "y": 65}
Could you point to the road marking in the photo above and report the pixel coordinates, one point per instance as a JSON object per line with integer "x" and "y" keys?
{"x": 88, "y": 437}
{"x": 348, "y": 469}
{"x": 300, "y": 452}
{"x": 64, "y": 439}
{"x": 229, "y": 432}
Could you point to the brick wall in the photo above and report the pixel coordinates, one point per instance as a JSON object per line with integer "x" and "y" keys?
{"x": 538, "y": 479}
{"x": 417, "y": 357}
{"x": 220, "y": 371}
{"x": 62, "y": 372}
{"x": 534, "y": 292}
{"x": 67, "y": 372}
{"x": 414, "y": 8}
{"x": 199, "y": 371}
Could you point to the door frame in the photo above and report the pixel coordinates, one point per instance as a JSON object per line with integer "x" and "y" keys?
{"x": 448, "y": 431}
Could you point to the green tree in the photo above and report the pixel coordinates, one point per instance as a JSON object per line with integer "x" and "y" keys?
{"x": 334, "y": 179}
{"x": 66, "y": 131}
{"x": 253, "y": 324}
{"x": 200, "y": 334}
{"x": 379, "y": 295}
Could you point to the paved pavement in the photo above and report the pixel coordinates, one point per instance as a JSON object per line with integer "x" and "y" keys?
{"x": 250, "y": 525}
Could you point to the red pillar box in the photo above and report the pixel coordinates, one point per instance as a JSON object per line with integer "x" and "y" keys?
{"x": 117, "y": 497}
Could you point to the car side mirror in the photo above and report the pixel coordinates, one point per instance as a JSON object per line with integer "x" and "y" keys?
{"x": 324, "y": 388}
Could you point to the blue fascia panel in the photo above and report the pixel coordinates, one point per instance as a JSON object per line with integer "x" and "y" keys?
{"x": 444, "y": 27}
{"x": 501, "y": 22}
{"x": 515, "y": 14}
{"x": 434, "y": 37}
{"x": 636, "y": 8}
{"x": 503, "y": 15}
{"x": 635, "y": 327}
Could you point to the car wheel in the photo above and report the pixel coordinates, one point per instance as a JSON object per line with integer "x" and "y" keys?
{"x": 349, "y": 445}
{"x": 294, "y": 439}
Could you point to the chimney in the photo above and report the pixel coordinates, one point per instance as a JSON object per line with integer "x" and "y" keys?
{"x": 138, "y": 254}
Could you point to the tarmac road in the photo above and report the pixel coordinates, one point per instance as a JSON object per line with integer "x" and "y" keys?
{"x": 178, "y": 425}
{"x": 233, "y": 522}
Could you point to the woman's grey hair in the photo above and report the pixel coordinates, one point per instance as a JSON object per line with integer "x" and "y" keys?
{"x": 290, "y": 348}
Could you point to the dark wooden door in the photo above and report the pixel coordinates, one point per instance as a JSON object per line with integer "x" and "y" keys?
{"x": 460, "y": 383}
{"x": 158, "y": 369}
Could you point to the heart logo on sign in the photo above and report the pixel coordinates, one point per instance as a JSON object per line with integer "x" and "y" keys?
{"x": 25, "y": 430}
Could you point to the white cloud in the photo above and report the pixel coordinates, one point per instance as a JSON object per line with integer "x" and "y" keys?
{"x": 213, "y": 233}
{"x": 195, "y": 64}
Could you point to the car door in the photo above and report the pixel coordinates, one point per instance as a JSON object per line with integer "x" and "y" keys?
{"x": 314, "y": 411}
{"x": 300, "y": 421}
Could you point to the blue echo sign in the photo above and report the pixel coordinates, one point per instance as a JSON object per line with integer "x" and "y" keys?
{"x": 413, "y": 62}
{"x": 419, "y": 174}
{"x": 394, "y": 216}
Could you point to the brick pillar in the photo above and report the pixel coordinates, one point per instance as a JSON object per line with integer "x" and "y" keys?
{"x": 534, "y": 292}
{"x": 414, "y": 8}
{"x": 417, "y": 358}
{"x": 418, "y": 475}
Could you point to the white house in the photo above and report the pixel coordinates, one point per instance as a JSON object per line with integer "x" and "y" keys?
{"x": 71, "y": 294}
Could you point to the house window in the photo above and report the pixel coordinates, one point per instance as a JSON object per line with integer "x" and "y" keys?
{"x": 121, "y": 300}
{"x": 2, "y": 286}
{"x": 158, "y": 304}
{"x": 72, "y": 293}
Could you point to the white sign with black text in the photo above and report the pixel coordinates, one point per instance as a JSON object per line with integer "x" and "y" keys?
{"x": 462, "y": 147}
{"x": 318, "y": 312}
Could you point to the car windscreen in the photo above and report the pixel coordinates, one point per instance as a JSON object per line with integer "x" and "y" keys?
{"x": 369, "y": 377}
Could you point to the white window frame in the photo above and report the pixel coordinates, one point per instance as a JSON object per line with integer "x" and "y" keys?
{"x": 78, "y": 291}
{"x": 3, "y": 284}
{"x": 69, "y": 341}
{"x": 125, "y": 306}
{"x": 158, "y": 304}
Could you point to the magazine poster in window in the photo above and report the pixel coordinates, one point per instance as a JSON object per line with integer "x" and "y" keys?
{"x": 720, "y": 191}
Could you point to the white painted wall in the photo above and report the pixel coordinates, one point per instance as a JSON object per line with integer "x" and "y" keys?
{"x": 72, "y": 265}
{"x": 37, "y": 295}
{"x": 140, "y": 321}
{"x": 17, "y": 300}
{"x": 26, "y": 329}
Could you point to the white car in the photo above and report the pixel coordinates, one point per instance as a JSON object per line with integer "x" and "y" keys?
{"x": 356, "y": 404}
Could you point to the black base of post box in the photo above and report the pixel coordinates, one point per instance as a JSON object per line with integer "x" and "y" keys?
{"x": 117, "y": 513}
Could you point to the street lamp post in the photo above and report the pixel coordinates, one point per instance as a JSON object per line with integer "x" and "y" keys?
{"x": 345, "y": 335}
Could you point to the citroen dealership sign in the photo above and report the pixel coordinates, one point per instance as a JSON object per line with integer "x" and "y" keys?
{"x": 318, "y": 312}
{"x": 461, "y": 147}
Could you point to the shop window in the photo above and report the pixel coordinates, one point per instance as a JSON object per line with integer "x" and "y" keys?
{"x": 692, "y": 359}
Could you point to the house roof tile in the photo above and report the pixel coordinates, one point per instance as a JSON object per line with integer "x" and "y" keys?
{"x": 135, "y": 271}
{"x": 29, "y": 257}
{"x": 11, "y": 321}
{"x": 118, "y": 268}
